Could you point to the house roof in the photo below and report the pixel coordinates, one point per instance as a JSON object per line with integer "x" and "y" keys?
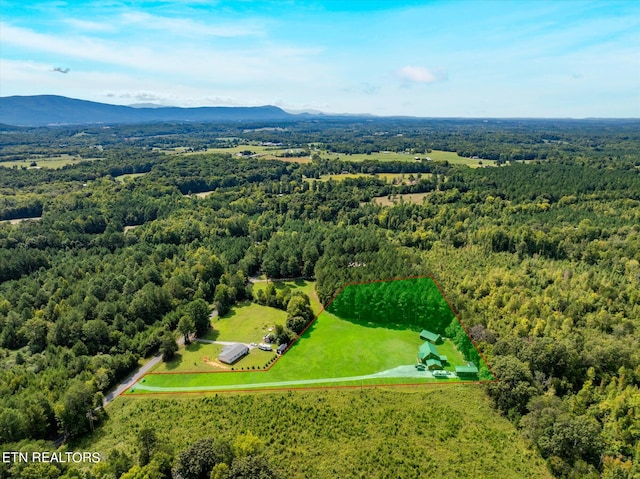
{"x": 232, "y": 352}
{"x": 427, "y": 349}
{"x": 429, "y": 336}
{"x": 282, "y": 347}
{"x": 469, "y": 369}
{"x": 431, "y": 362}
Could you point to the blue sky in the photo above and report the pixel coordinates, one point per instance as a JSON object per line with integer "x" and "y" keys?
{"x": 478, "y": 58}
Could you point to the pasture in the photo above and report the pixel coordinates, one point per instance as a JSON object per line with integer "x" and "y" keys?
{"x": 437, "y": 432}
{"x": 51, "y": 162}
{"x": 415, "y": 198}
{"x": 393, "y": 178}
{"x": 435, "y": 155}
{"x": 128, "y": 177}
{"x": 246, "y": 323}
{"x": 276, "y": 153}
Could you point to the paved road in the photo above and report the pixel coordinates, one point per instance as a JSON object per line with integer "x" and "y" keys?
{"x": 141, "y": 371}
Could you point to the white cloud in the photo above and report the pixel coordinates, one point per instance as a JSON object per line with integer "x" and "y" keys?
{"x": 416, "y": 74}
{"x": 187, "y": 27}
{"x": 90, "y": 26}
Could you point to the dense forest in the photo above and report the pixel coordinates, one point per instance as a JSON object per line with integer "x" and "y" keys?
{"x": 540, "y": 258}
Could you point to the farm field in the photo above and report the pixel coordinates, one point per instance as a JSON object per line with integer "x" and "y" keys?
{"x": 258, "y": 151}
{"x": 415, "y": 198}
{"x": 406, "y": 432}
{"x": 128, "y": 176}
{"x": 271, "y": 153}
{"x": 435, "y": 155}
{"x": 400, "y": 178}
{"x": 52, "y": 162}
{"x": 16, "y": 221}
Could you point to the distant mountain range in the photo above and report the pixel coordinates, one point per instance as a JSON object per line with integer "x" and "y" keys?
{"x": 43, "y": 110}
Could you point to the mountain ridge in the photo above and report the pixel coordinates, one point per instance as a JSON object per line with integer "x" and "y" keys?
{"x": 43, "y": 110}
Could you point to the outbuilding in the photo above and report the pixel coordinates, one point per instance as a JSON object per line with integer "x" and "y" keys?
{"x": 470, "y": 371}
{"x": 230, "y": 354}
{"x": 434, "y": 338}
{"x": 282, "y": 348}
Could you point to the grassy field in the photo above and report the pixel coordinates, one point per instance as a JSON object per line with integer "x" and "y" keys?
{"x": 47, "y": 162}
{"x": 307, "y": 287}
{"x": 438, "y": 432}
{"x": 331, "y": 349}
{"x": 259, "y": 152}
{"x": 16, "y": 221}
{"x": 271, "y": 153}
{"x": 435, "y": 155}
{"x": 128, "y": 176}
{"x": 399, "y": 178}
{"x": 415, "y": 198}
{"x": 201, "y": 357}
{"x": 246, "y": 323}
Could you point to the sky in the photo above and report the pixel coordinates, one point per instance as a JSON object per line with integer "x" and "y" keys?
{"x": 505, "y": 58}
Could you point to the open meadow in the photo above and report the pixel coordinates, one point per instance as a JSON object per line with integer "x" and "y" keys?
{"x": 51, "y": 162}
{"x": 437, "y": 432}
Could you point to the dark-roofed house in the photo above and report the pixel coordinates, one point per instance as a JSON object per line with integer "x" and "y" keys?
{"x": 470, "y": 371}
{"x": 230, "y": 354}
{"x": 434, "y": 338}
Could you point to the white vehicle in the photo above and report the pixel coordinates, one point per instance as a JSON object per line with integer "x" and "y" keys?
{"x": 265, "y": 347}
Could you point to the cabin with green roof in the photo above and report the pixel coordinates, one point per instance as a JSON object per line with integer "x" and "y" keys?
{"x": 428, "y": 351}
{"x": 470, "y": 371}
{"x": 433, "y": 364}
{"x": 434, "y": 338}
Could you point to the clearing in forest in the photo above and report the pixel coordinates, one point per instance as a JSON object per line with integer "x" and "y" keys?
{"x": 399, "y": 332}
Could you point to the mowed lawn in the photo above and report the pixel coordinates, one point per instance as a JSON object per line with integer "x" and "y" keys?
{"x": 330, "y": 348}
{"x": 246, "y": 323}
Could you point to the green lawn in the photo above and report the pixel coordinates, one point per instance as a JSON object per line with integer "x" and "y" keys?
{"x": 246, "y": 323}
{"x": 454, "y": 357}
{"x": 331, "y": 348}
{"x": 332, "y": 351}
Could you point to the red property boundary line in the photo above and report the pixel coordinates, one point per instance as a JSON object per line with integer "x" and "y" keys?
{"x": 322, "y": 310}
